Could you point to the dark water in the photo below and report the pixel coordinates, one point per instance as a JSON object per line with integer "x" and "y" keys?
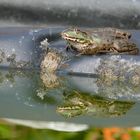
{"x": 80, "y": 98}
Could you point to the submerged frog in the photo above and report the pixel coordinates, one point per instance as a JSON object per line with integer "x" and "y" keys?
{"x": 101, "y": 40}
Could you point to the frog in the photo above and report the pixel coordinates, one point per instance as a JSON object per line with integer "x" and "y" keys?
{"x": 99, "y": 41}
{"x": 78, "y": 103}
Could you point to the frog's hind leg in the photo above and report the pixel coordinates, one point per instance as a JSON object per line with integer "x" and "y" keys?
{"x": 108, "y": 50}
{"x": 115, "y": 52}
{"x": 132, "y": 52}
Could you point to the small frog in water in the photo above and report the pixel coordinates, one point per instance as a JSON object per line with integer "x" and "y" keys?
{"x": 101, "y": 40}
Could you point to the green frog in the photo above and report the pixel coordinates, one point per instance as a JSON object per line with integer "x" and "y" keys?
{"x": 101, "y": 40}
{"x": 77, "y": 103}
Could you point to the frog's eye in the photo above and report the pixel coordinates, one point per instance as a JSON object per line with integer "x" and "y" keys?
{"x": 78, "y": 31}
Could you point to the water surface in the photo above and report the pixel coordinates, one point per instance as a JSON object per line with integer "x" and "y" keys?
{"x": 61, "y": 97}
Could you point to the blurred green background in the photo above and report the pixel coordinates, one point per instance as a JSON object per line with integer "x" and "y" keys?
{"x": 18, "y": 132}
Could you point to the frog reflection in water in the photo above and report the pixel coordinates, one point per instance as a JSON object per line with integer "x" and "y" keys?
{"x": 84, "y": 104}
{"x": 102, "y": 40}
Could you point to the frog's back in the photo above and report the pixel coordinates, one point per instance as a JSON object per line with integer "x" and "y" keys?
{"x": 110, "y": 33}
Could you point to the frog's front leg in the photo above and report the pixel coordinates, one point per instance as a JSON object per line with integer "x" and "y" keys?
{"x": 72, "y": 49}
{"x": 69, "y": 47}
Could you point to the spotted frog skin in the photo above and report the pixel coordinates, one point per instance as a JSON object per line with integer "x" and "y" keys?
{"x": 77, "y": 103}
{"x": 101, "y": 40}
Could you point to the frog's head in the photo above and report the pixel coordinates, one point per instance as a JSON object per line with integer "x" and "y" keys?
{"x": 76, "y": 36}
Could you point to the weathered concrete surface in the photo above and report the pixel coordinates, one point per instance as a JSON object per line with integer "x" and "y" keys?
{"x": 93, "y": 13}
